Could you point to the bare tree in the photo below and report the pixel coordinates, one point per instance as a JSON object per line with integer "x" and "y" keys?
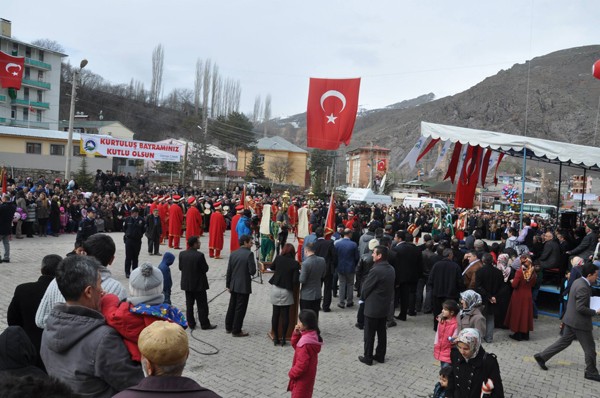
{"x": 197, "y": 86}
{"x": 216, "y": 88}
{"x": 267, "y": 114}
{"x": 257, "y": 110}
{"x": 281, "y": 169}
{"x": 49, "y": 44}
{"x": 158, "y": 58}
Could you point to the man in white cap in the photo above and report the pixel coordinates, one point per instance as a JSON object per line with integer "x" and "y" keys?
{"x": 165, "y": 349}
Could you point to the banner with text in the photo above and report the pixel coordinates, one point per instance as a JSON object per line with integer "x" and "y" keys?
{"x": 104, "y": 145}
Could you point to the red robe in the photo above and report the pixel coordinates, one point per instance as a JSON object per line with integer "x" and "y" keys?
{"x": 519, "y": 317}
{"x": 292, "y": 212}
{"x": 216, "y": 229}
{"x": 193, "y": 222}
{"x": 175, "y": 220}
{"x": 153, "y": 206}
{"x": 234, "y": 243}
{"x": 163, "y": 213}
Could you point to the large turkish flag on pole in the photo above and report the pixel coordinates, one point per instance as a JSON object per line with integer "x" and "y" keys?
{"x": 11, "y": 71}
{"x": 331, "y": 112}
{"x": 330, "y": 221}
{"x": 468, "y": 178}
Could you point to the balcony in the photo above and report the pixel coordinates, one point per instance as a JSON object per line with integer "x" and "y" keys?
{"x": 27, "y": 123}
{"x": 34, "y": 104}
{"x": 36, "y": 84}
{"x": 37, "y": 64}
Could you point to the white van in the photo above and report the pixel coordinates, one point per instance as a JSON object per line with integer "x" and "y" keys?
{"x": 415, "y": 203}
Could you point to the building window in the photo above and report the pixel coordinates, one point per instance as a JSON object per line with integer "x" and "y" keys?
{"x": 13, "y": 112}
{"x": 261, "y": 157}
{"x": 38, "y": 115}
{"x": 77, "y": 151}
{"x": 41, "y": 55}
{"x": 25, "y": 114}
{"x": 15, "y": 48}
{"x": 57, "y": 150}
{"x": 40, "y": 96}
{"x": 27, "y": 73}
{"x": 34, "y": 148}
{"x": 131, "y": 162}
{"x": 40, "y": 76}
{"x": 28, "y": 52}
{"x": 26, "y": 93}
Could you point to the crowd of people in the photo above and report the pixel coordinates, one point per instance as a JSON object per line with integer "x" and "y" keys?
{"x": 472, "y": 271}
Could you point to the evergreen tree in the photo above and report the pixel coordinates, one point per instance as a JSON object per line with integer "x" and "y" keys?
{"x": 255, "y": 168}
{"x": 83, "y": 178}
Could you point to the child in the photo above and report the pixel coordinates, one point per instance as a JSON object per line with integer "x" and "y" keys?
{"x": 307, "y": 342}
{"x": 64, "y": 220}
{"x": 446, "y": 332}
{"x": 439, "y": 391}
{"x": 144, "y": 306}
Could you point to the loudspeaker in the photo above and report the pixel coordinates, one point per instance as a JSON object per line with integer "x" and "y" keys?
{"x": 568, "y": 220}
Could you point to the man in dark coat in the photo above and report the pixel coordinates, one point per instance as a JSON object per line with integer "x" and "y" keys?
{"x": 377, "y": 293}
{"x": 134, "y": 227}
{"x": 445, "y": 279}
{"x": 488, "y": 282}
{"x": 410, "y": 268}
{"x": 27, "y": 298}
{"x": 238, "y": 282}
{"x": 7, "y": 212}
{"x": 87, "y": 227}
{"x": 324, "y": 248}
{"x": 165, "y": 349}
{"x": 193, "y": 267}
{"x": 587, "y": 246}
{"x": 551, "y": 254}
{"x": 577, "y": 324}
{"x": 153, "y": 232}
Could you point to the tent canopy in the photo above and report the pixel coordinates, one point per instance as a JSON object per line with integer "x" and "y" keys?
{"x": 366, "y": 195}
{"x": 546, "y": 150}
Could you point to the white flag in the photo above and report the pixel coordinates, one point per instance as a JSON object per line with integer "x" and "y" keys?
{"x": 382, "y": 184}
{"x": 442, "y": 155}
{"x": 412, "y": 156}
{"x": 461, "y": 160}
{"x": 491, "y": 164}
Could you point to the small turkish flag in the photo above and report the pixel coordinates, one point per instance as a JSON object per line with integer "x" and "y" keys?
{"x": 382, "y": 165}
{"x": 11, "y": 71}
{"x": 331, "y": 112}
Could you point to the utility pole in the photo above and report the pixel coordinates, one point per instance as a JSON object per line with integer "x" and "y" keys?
{"x": 69, "y": 152}
{"x": 372, "y": 166}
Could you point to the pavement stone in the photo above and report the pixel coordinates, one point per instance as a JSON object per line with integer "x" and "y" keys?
{"x": 253, "y": 367}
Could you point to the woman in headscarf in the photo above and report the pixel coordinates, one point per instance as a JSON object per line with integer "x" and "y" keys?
{"x": 470, "y": 315}
{"x": 503, "y": 296}
{"x": 519, "y": 317}
{"x": 476, "y": 372}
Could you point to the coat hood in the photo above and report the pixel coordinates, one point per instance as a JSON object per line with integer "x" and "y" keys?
{"x": 168, "y": 259}
{"x": 16, "y": 350}
{"x": 69, "y": 324}
{"x": 310, "y": 337}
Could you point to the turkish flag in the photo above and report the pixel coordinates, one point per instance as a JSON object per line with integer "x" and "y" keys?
{"x": 469, "y": 176}
{"x": 331, "y": 112}
{"x": 330, "y": 223}
{"x": 11, "y": 71}
{"x": 382, "y": 165}
{"x": 454, "y": 161}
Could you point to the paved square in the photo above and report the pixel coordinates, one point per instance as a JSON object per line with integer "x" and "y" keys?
{"x": 253, "y": 367}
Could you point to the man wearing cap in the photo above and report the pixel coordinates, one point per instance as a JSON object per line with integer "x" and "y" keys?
{"x": 134, "y": 227}
{"x": 216, "y": 230}
{"x": 78, "y": 347}
{"x": 234, "y": 239}
{"x": 175, "y": 222}
{"x": 87, "y": 227}
{"x": 165, "y": 349}
{"x": 193, "y": 221}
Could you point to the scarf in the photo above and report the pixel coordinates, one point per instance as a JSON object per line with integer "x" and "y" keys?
{"x": 470, "y": 337}
{"x": 472, "y": 299}
{"x": 503, "y": 265}
{"x": 527, "y": 268}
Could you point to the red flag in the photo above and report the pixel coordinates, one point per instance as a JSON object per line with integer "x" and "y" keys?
{"x": 243, "y": 197}
{"x": 382, "y": 165}
{"x": 330, "y": 223}
{"x": 454, "y": 162}
{"x": 428, "y": 148}
{"x": 485, "y": 163}
{"x": 331, "y": 112}
{"x": 11, "y": 70}
{"x": 3, "y": 173}
{"x": 467, "y": 183}
{"x": 496, "y": 172}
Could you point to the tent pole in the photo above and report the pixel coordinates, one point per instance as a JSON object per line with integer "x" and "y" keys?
{"x": 582, "y": 197}
{"x": 523, "y": 185}
{"x": 558, "y": 195}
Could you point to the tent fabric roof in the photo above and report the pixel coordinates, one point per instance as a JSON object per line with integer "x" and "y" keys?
{"x": 554, "y": 151}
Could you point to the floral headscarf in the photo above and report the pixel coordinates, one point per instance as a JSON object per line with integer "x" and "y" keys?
{"x": 527, "y": 267}
{"x": 503, "y": 265}
{"x": 470, "y": 337}
{"x": 472, "y": 299}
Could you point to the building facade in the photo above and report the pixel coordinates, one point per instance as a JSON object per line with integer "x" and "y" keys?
{"x": 283, "y": 162}
{"x": 365, "y": 165}
{"x": 36, "y": 103}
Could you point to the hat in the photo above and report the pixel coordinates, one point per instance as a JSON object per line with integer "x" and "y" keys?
{"x": 135, "y": 210}
{"x": 164, "y": 343}
{"x": 92, "y": 209}
{"x": 155, "y": 197}
{"x": 62, "y": 209}
{"x": 176, "y": 198}
{"x": 373, "y": 243}
{"x": 591, "y": 226}
{"x": 146, "y": 285}
{"x": 239, "y": 207}
{"x": 191, "y": 200}
{"x": 217, "y": 205}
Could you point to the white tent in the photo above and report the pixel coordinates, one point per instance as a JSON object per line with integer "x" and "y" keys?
{"x": 366, "y": 195}
{"x": 546, "y": 150}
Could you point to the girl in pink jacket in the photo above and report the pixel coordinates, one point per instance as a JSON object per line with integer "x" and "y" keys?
{"x": 446, "y": 332}
{"x": 307, "y": 342}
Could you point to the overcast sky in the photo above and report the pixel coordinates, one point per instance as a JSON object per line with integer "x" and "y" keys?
{"x": 400, "y": 49}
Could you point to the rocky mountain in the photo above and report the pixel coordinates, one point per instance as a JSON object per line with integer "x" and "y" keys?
{"x": 562, "y": 105}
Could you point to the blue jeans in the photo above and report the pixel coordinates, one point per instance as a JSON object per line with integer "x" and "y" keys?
{"x": 6, "y": 243}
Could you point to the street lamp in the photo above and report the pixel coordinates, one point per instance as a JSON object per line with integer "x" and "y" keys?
{"x": 69, "y": 153}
